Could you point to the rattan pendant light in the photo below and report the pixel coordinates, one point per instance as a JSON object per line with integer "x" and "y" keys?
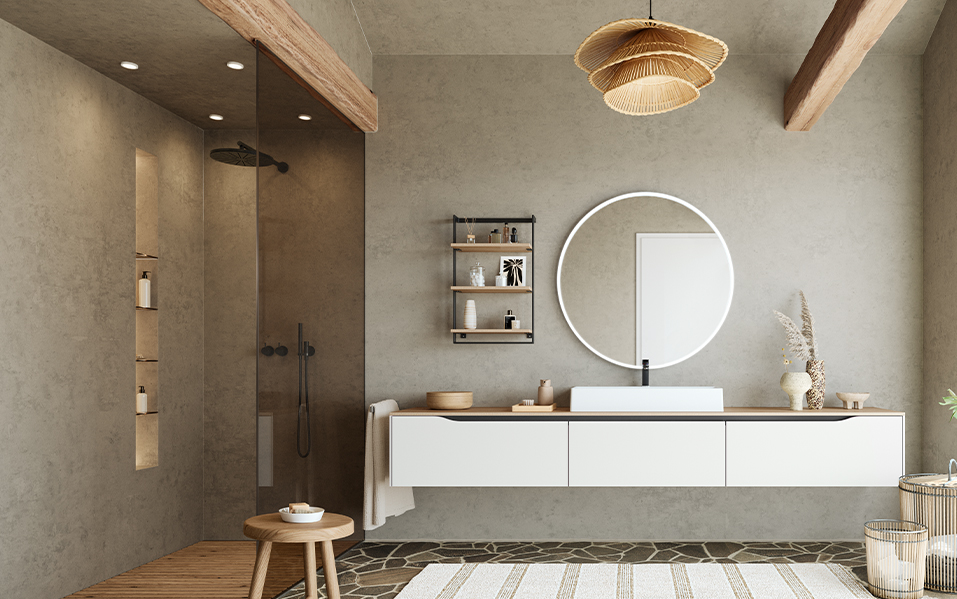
{"x": 644, "y": 66}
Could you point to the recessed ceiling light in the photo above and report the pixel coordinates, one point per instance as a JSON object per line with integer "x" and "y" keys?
{"x": 129, "y": 65}
{"x": 238, "y": 66}
{"x": 305, "y": 117}
{"x": 216, "y": 117}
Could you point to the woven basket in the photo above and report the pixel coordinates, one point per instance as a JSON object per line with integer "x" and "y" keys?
{"x": 672, "y": 64}
{"x": 603, "y": 42}
{"x": 929, "y": 500}
{"x": 896, "y": 557}
{"x": 653, "y": 45}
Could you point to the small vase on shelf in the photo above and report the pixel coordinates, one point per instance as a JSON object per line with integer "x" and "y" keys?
{"x": 815, "y": 395}
{"x": 796, "y": 384}
{"x": 470, "y": 320}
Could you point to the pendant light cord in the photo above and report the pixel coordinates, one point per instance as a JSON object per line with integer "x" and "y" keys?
{"x": 650, "y": 18}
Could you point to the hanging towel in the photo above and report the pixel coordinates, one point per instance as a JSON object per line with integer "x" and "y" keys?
{"x": 380, "y": 499}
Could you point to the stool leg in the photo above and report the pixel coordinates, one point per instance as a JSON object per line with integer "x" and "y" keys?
{"x": 329, "y": 570}
{"x": 309, "y": 559}
{"x": 259, "y": 572}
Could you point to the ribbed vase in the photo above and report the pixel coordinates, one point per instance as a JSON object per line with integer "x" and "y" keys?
{"x": 815, "y": 395}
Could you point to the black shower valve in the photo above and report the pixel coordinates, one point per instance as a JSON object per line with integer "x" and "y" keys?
{"x": 267, "y": 350}
{"x": 281, "y": 350}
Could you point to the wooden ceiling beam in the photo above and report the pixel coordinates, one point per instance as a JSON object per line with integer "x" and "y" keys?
{"x": 852, "y": 28}
{"x": 278, "y": 27}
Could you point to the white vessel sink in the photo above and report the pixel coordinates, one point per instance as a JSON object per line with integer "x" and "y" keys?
{"x": 647, "y": 399}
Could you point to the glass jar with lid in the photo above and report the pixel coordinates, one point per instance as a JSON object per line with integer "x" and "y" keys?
{"x": 477, "y": 275}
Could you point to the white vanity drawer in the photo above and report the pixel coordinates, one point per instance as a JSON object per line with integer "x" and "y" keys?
{"x": 861, "y": 451}
{"x": 432, "y": 451}
{"x": 646, "y": 454}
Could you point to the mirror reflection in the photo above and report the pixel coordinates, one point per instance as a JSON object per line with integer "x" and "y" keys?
{"x": 645, "y": 276}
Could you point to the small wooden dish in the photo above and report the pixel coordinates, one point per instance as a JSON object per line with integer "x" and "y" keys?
{"x": 448, "y": 400}
{"x": 536, "y": 408}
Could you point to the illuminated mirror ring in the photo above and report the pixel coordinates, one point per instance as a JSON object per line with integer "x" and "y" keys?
{"x": 647, "y": 194}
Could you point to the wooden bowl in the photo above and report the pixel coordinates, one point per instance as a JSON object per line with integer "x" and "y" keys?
{"x": 448, "y": 400}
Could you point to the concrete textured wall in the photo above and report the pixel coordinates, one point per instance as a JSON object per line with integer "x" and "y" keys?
{"x": 337, "y": 23}
{"x": 940, "y": 227}
{"x": 229, "y": 396}
{"x": 73, "y": 509}
{"x": 836, "y": 212}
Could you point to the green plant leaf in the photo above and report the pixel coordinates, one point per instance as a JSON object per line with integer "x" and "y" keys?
{"x": 950, "y": 401}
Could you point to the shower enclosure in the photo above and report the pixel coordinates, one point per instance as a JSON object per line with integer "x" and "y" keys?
{"x": 284, "y": 296}
{"x": 311, "y": 281}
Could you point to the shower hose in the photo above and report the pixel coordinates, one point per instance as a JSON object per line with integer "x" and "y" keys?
{"x": 305, "y": 350}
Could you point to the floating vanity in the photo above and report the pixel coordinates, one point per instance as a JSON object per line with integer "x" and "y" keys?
{"x": 738, "y": 447}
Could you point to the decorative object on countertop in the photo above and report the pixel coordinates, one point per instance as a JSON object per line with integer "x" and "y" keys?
{"x": 546, "y": 394}
{"x": 506, "y": 238}
{"x": 448, "y": 400}
{"x": 477, "y": 275}
{"x": 509, "y": 319}
{"x": 299, "y": 508}
{"x": 896, "y": 558}
{"x": 931, "y": 500}
{"x": 513, "y": 238}
{"x": 470, "y": 228}
{"x": 803, "y": 344}
{"x": 795, "y": 384}
{"x": 495, "y": 236}
{"x": 951, "y": 402}
{"x": 516, "y": 324}
{"x": 471, "y": 318}
{"x": 141, "y": 400}
{"x": 527, "y": 402}
{"x": 853, "y": 401}
{"x": 533, "y": 407}
{"x": 513, "y": 267}
{"x": 143, "y": 291}
{"x": 645, "y": 67}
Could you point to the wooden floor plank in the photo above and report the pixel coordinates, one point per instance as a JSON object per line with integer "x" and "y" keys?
{"x": 206, "y": 570}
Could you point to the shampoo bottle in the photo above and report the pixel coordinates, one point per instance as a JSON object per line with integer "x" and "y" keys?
{"x": 546, "y": 395}
{"x": 141, "y": 400}
{"x": 143, "y": 291}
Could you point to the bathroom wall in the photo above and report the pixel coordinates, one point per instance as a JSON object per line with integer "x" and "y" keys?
{"x": 73, "y": 509}
{"x": 229, "y": 327}
{"x": 940, "y": 252}
{"x": 836, "y": 212}
{"x": 337, "y": 22}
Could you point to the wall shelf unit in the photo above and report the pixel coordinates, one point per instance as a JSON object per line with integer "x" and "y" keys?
{"x": 147, "y": 318}
{"x": 527, "y": 224}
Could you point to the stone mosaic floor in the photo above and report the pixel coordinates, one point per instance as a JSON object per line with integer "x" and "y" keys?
{"x": 380, "y": 570}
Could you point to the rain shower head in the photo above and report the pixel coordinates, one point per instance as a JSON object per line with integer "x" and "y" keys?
{"x": 246, "y": 156}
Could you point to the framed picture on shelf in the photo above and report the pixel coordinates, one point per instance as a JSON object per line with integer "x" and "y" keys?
{"x": 513, "y": 267}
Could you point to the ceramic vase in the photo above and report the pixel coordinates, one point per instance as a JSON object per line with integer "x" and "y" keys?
{"x": 796, "y": 384}
{"x": 815, "y": 396}
{"x": 470, "y": 315}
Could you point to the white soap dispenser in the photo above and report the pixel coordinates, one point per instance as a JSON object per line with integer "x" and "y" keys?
{"x": 141, "y": 400}
{"x": 143, "y": 291}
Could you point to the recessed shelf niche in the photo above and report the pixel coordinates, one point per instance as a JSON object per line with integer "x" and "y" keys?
{"x": 147, "y": 317}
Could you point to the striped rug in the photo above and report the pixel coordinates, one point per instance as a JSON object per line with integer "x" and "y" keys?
{"x": 634, "y": 581}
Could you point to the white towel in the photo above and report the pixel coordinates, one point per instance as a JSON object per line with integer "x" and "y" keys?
{"x": 380, "y": 498}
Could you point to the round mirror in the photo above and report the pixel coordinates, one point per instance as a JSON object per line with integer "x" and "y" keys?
{"x": 645, "y": 276}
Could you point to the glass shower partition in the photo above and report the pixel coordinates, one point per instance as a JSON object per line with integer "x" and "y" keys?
{"x": 311, "y": 298}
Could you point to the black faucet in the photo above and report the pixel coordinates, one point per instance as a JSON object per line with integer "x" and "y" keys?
{"x": 644, "y": 373}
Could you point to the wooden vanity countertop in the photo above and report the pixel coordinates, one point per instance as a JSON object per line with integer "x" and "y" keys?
{"x": 730, "y": 411}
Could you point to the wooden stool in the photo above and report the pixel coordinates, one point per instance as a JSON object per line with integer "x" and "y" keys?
{"x": 269, "y": 529}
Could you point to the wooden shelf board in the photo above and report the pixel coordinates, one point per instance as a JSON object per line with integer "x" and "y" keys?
{"x": 496, "y": 248}
{"x": 492, "y": 331}
{"x": 150, "y": 309}
{"x": 490, "y": 289}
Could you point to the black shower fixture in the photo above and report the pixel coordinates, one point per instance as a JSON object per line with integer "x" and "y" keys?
{"x": 246, "y": 156}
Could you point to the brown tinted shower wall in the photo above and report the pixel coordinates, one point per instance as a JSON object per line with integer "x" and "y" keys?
{"x": 311, "y": 271}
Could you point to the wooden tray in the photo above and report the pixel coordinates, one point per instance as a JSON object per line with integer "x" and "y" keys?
{"x": 520, "y": 408}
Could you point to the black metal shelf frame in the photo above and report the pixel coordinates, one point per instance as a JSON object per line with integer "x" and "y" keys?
{"x": 529, "y": 275}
